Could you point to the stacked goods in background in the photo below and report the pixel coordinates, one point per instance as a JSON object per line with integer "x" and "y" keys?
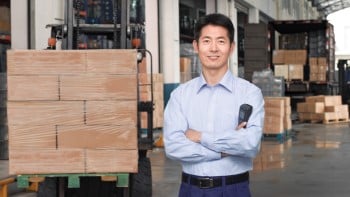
{"x": 190, "y": 66}
{"x": 289, "y": 64}
{"x": 145, "y": 95}
{"x": 3, "y": 117}
{"x": 72, "y": 111}
{"x": 291, "y": 57}
{"x": 325, "y": 109}
{"x": 318, "y": 69}
{"x": 321, "y": 53}
{"x": 185, "y": 69}
{"x": 269, "y": 84}
{"x": 277, "y": 115}
{"x": 257, "y": 43}
{"x": 304, "y": 56}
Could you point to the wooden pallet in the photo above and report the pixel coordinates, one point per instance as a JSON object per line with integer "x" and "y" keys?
{"x": 122, "y": 179}
{"x": 340, "y": 120}
{"x": 325, "y": 121}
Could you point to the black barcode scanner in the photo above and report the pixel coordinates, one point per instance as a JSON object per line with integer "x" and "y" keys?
{"x": 245, "y": 110}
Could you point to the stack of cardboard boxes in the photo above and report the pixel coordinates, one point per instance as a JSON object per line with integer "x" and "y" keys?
{"x": 185, "y": 69}
{"x": 72, "y": 111}
{"x": 289, "y": 64}
{"x": 277, "y": 115}
{"x": 318, "y": 69}
{"x": 158, "y": 99}
{"x": 325, "y": 109}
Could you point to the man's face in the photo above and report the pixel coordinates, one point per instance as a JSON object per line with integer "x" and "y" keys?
{"x": 213, "y": 47}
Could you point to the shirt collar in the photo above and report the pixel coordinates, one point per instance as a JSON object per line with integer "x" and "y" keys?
{"x": 226, "y": 82}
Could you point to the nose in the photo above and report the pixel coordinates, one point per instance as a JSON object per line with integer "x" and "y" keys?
{"x": 213, "y": 46}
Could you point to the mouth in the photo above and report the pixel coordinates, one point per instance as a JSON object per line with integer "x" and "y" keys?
{"x": 213, "y": 57}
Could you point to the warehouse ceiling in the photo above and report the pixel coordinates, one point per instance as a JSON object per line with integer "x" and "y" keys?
{"x": 327, "y": 7}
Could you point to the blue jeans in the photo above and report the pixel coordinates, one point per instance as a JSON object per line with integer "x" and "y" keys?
{"x": 235, "y": 190}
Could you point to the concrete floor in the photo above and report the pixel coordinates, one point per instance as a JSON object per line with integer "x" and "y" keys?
{"x": 314, "y": 161}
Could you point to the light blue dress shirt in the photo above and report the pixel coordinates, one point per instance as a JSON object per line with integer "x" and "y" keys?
{"x": 213, "y": 111}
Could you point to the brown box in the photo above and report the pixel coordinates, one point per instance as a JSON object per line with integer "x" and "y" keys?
{"x": 98, "y": 87}
{"x": 282, "y": 71}
{"x": 322, "y": 68}
{"x": 322, "y": 61}
{"x": 317, "y": 107}
{"x": 271, "y": 102}
{"x": 110, "y": 62}
{"x": 321, "y": 77}
{"x": 313, "y": 61}
{"x": 313, "y": 77}
{"x": 278, "y": 57}
{"x": 273, "y": 125}
{"x": 45, "y": 161}
{"x": 336, "y": 108}
{"x": 45, "y": 62}
{"x": 277, "y": 115}
{"x": 32, "y": 113}
{"x": 287, "y": 123}
{"x": 302, "y": 107}
{"x": 111, "y": 112}
{"x": 32, "y": 137}
{"x": 343, "y": 115}
{"x": 305, "y": 115}
{"x": 295, "y": 57}
{"x": 296, "y": 71}
{"x": 327, "y": 100}
{"x": 158, "y": 100}
{"x": 313, "y": 69}
{"x": 33, "y": 87}
{"x": 185, "y": 69}
{"x": 272, "y": 111}
{"x": 97, "y": 137}
{"x": 300, "y": 57}
{"x": 111, "y": 160}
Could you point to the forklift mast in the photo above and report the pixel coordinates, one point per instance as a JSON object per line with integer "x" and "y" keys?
{"x": 125, "y": 35}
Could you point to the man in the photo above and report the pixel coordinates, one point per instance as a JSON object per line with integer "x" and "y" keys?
{"x": 201, "y": 127}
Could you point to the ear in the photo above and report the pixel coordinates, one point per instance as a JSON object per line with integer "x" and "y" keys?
{"x": 195, "y": 46}
{"x": 232, "y": 47}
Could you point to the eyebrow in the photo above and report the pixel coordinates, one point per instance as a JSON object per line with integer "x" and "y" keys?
{"x": 220, "y": 37}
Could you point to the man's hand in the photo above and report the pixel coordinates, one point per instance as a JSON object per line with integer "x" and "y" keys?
{"x": 194, "y": 136}
{"x": 242, "y": 125}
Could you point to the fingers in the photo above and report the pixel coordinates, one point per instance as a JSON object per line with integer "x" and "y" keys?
{"x": 242, "y": 125}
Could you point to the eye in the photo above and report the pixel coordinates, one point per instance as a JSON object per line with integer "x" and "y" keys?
{"x": 221, "y": 41}
{"x": 205, "y": 41}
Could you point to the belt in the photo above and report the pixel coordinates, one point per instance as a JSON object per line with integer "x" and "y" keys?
{"x": 216, "y": 181}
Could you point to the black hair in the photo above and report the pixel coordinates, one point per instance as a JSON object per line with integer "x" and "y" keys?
{"x": 214, "y": 19}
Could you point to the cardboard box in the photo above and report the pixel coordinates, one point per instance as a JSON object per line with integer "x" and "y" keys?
{"x": 327, "y": 100}
{"x": 302, "y": 107}
{"x": 185, "y": 69}
{"x": 278, "y": 56}
{"x": 322, "y": 61}
{"x": 296, "y": 71}
{"x": 317, "y": 107}
{"x": 282, "y": 71}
